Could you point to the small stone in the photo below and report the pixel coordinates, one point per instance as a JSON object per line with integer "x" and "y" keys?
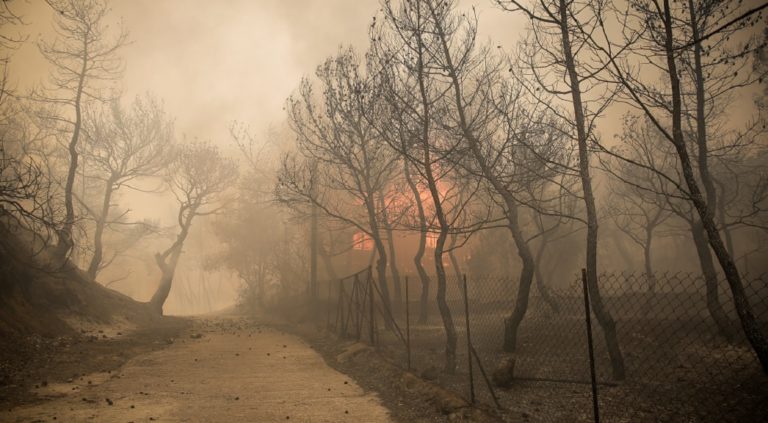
{"x": 109, "y": 401}
{"x": 237, "y": 398}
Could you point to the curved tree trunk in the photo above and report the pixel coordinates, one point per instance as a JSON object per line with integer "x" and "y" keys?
{"x": 66, "y": 241}
{"x": 512, "y": 323}
{"x": 423, "y": 276}
{"x": 442, "y": 305}
{"x": 604, "y": 318}
{"x": 541, "y": 286}
{"x": 455, "y": 264}
{"x": 749, "y": 324}
{"x": 101, "y": 221}
{"x": 392, "y": 257}
{"x": 714, "y": 306}
{"x": 168, "y": 260}
{"x": 526, "y": 273}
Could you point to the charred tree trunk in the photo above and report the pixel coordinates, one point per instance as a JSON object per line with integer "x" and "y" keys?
{"x": 512, "y": 323}
{"x": 381, "y": 262}
{"x": 417, "y": 259}
{"x": 392, "y": 257}
{"x": 168, "y": 260}
{"x": 714, "y": 306}
{"x": 541, "y": 286}
{"x": 101, "y": 221}
{"x": 455, "y": 264}
{"x": 65, "y": 239}
{"x": 604, "y": 318}
{"x": 167, "y": 271}
{"x": 526, "y": 273}
{"x": 749, "y": 324}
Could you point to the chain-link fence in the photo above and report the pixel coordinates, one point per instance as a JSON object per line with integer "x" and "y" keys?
{"x": 680, "y": 365}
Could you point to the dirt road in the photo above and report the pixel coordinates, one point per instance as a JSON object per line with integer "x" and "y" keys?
{"x": 223, "y": 370}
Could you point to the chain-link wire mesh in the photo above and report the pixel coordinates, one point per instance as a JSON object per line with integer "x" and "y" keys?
{"x": 680, "y": 365}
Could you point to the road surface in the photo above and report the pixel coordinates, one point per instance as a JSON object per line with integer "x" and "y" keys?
{"x": 224, "y": 370}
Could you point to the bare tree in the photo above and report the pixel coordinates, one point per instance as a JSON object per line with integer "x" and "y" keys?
{"x": 198, "y": 178}
{"x": 344, "y": 164}
{"x": 124, "y": 146}
{"x": 559, "y": 59}
{"x": 636, "y": 211}
{"x": 411, "y": 91}
{"x": 29, "y": 204}
{"x": 658, "y": 33}
{"x": 83, "y": 56}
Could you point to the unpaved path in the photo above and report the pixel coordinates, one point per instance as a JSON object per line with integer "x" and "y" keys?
{"x": 235, "y": 372}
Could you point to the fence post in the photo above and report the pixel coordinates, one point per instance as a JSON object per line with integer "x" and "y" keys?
{"x": 371, "y": 301}
{"x": 407, "y": 324}
{"x": 590, "y": 347}
{"x": 469, "y": 341}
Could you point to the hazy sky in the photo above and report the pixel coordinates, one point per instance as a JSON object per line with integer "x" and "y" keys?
{"x": 218, "y": 61}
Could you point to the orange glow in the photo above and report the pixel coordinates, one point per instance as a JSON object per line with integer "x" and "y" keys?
{"x": 361, "y": 241}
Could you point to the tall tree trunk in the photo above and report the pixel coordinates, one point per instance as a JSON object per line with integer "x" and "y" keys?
{"x": 392, "y": 257}
{"x": 167, "y": 269}
{"x": 417, "y": 259}
{"x": 541, "y": 285}
{"x": 445, "y": 311}
{"x": 722, "y": 216}
{"x": 167, "y": 262}
{"x": 743, "y": 307}
{"x": 512, "y": 323}
{"x": 381, "y": 262}
{"x": 604, "y": 318}
{"x": 66, "y": 242}
{"x": 455, "y": 263}
{"x": 714, "y": 306}
{"x": 101, "y": 221}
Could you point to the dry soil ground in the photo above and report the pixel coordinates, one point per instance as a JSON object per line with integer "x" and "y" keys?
{"x": 220, "y": 369}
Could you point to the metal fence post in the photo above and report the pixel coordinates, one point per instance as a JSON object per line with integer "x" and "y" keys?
{"x": 469, "y": 342}
{"x": 590, "y": 347}
{"x": 407, "y": 324}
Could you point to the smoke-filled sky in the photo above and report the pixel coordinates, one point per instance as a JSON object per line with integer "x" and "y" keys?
{"x": 213, "y": 62}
